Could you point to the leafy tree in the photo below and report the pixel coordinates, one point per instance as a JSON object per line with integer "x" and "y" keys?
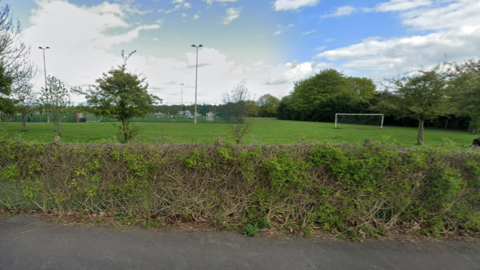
{"x": 341, "y": 103}
{"x": 308, "y": 93}
{"x": 422, "y": 95}
{"x": 285, "y": 109}
{"x": 121, "y": 95}
{"x": 238, "y": 111}
{"x": 55, "y": 99}
{"x": 467, "y": 97}
{"x": 6, "y": 103}
{"x": 361, "y": 87}
{"x": 16, "y": 68}
{"x": 466, "y": 91}
{"x": 268, "y": 106}
{"x": 253, "y": 108}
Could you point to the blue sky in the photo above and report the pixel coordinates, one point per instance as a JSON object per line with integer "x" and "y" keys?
{"x": 269, "y": 43}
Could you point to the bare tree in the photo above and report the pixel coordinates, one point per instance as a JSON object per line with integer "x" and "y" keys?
{"x": 56, "y": 99}
{"x": 14, "y": 55}
{"x": 238, "y": 111}
{"x": 26, "y": 101}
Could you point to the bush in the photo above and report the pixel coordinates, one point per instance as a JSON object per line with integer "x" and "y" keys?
{"x": 297, "y": 187}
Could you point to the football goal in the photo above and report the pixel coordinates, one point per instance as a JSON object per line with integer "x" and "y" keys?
{"x": 359, "y": 119}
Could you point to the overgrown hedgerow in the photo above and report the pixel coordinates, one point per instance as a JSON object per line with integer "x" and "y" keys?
{"x": 296, "y": 187}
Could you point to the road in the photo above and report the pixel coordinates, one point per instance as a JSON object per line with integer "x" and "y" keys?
{"x": 26, "y": 242}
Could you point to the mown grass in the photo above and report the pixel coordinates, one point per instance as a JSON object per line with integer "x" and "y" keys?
{"x": 264, "y": 131}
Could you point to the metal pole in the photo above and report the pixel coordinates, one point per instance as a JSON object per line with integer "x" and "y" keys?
{"x": 182, "y": 98}
{"x": 196, "y": 78}
{"x": 45, "y": 71}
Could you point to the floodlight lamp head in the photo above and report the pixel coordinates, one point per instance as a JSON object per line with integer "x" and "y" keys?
{"x": 193, "y": 45}
{"x": 200, "y": 45}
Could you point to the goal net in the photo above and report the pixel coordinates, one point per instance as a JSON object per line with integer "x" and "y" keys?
{"x": 361, "y": 120}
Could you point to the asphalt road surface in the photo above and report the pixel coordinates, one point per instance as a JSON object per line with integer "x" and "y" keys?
{"x": 29, "y": 243}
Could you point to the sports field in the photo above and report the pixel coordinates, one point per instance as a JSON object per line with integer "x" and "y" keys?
{"x": 264, "y": 131}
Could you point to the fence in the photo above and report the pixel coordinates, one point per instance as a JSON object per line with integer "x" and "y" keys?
{"x": 153, "y": 118}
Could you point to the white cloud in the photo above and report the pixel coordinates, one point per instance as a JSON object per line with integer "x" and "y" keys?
{"x": 438, "y": 29}
{"x": 309, "y": 32}
{"x": 197, "y": 15}
{"x": 281, "y": 29}
{"x": 217, "y": 73}
{"x": 80, "y": 45}
{"x": 341, "y": 11}
{"x": 178, "y": 4}
{"x": 378, "y": 58}
{"x": 81, "y": 51}
{"x": 449, "y": 15}
{"x": 293, "y": 4}
{"x": 219, "y": 1}
{"x": 232, "y": 14}
{"x": 402, "y": 5}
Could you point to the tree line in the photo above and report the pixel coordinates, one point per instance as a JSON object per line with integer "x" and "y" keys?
{"x": 446, "y": 92}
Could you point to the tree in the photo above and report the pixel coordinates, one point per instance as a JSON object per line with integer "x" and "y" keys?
{"x": 341, "y": 103}
{"x": 55, "y": 99}
{"x": 423, "y": 96}
{"x": 6, "y": 103}
{"x": 121, "y": 95}
{"x": 361, "y": 87}
{"x": 26, "y": 102}
{"x": 467, "y": 97}
{"x": 268, "y": 106}
{"x": 308, "y": 93}
{"x": 16, "y": 69}
{"x": 237, "y": 111}
{"x": 466, "y": 91}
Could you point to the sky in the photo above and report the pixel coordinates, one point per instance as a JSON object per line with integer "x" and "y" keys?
{"x": 268, "y": 43}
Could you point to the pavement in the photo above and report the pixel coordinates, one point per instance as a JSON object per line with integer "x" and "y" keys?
{"x": 26, "y": 242}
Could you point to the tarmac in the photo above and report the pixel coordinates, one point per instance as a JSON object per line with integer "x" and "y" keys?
{"x": 27, "y": 242}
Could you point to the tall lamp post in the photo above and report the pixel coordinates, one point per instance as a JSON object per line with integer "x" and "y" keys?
{"x": 196, "y": 77}
{"x": 182, "y": 98}
{"x": 45, "y": 69}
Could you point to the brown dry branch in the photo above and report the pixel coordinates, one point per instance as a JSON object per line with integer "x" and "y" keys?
{"x": 338, "y": 188}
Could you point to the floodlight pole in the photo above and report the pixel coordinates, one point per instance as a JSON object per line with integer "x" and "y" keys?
{"x": 196, "y": 78}
{"x": 45, "y": 70}
{"x": 182, "y": 97}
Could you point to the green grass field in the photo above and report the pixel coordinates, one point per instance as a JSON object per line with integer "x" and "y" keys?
{"x": 265, "y": 131}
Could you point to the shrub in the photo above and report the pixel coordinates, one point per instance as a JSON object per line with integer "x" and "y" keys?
{"x": 298, "y": 187}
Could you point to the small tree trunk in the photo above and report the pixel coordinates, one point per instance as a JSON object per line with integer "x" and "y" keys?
{"x": 24, "y": 122}
{"x": 125, "y": 129}
{"x": 420, "y": 131}
{"x": 59, "y": 126}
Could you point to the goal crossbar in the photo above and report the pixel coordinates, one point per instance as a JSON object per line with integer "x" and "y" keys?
{"x": 361, "y": 114}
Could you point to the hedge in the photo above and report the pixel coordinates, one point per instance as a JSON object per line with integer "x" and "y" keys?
{"x": 297, "y": 187}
